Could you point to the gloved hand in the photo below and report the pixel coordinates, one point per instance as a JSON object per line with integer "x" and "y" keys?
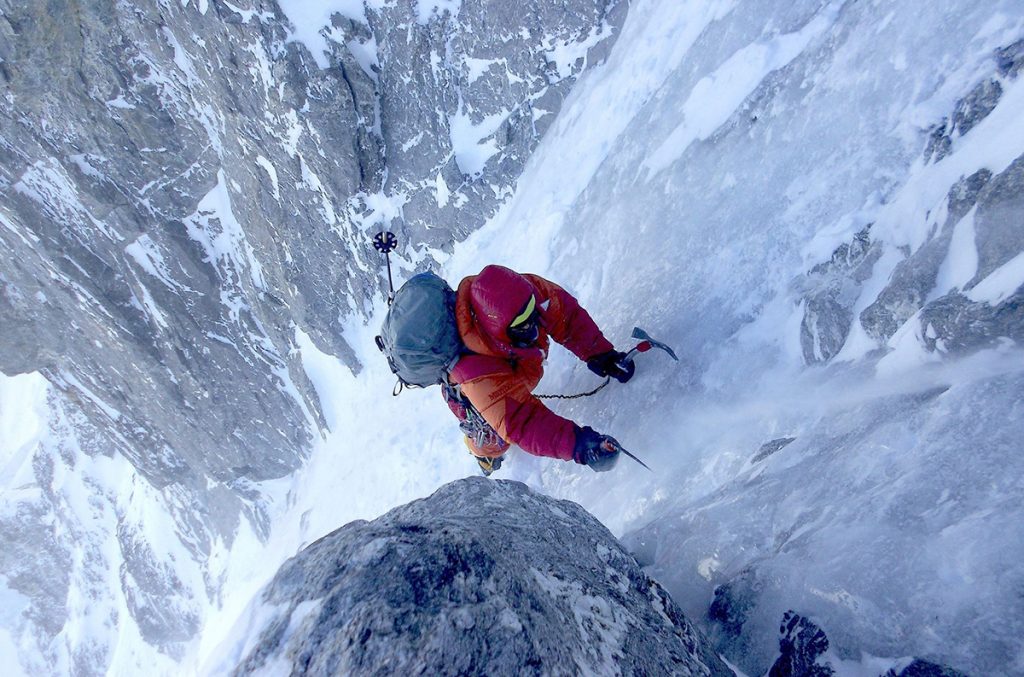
{"x": 612, "y": 363}
{"x": 598, "y": 451}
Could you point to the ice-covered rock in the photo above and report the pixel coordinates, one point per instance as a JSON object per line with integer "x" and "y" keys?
{"x": 959, "y": 289}
{"x": 483, "y": 577}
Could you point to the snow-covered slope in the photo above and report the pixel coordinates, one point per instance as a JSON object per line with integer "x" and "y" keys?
{"x": 819, "y": 206}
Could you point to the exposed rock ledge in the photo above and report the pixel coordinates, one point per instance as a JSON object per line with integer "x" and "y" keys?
{"x": 483, "y": 577}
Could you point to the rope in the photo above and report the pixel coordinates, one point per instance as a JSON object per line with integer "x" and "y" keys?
{"x": 607, "y": 380}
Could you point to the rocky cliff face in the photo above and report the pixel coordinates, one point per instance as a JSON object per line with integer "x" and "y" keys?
{"x": 183, "y": 188}
{"x": 974, "y": 232}
{"x": 483, "y": 577}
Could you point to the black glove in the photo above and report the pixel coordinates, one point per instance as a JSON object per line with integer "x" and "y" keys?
{"x": 613, "y": 363}
{"x": 598, "y": 451}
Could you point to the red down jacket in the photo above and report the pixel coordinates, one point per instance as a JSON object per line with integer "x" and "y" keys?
{"x": 498, "y": 378}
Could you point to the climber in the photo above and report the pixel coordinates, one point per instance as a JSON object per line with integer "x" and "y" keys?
{"x": 506, "y": 321}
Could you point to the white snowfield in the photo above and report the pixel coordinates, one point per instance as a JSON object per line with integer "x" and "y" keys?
{"x": 724, "y": 149}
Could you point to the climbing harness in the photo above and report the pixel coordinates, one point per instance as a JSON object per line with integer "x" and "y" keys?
{"x": 471, "y": 422}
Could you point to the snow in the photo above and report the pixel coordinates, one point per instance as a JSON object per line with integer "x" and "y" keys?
{"x": 309, "y": 18}
{"x": 145, "y": 252}
{"x": 428, "y": 9}
{"x": 121, "y": 103}
{"x": 702, "y": 254}
{"x": 441, "y": 192}
{"x": 568, "y": 56}
{"x": 992, "y": 144}
{"x": 312, "y": 183}
{"x": 214, "y": 226}
{"x": 365, "y": 467}
{"x": 366, "y": 56}
{"x": 268, "y": 167}
{"x": 95, "y": 499}
{"x": 1000, "y": 283}
{"x": 717, "y": 96}
{"x": 476, "y": 68}
{"x": 248, "y": 14}
{"x": 377, "y": 209}
{"x": 23, "y": 420}
{"x": 48, "y": 184}
{"x": 412, "y": 143}
{"x": 595, "y": 619}
{"x": 84, "y": 163}
{"x": 908, "y": 350}
{"x": 469, "y": 140}
{"x": 181, "y": 58}
{"x": 74, "y": 382}
{"x": 12, "y": 606}
{"x": 661, "y": 202}
{"x": 961, "y": 263}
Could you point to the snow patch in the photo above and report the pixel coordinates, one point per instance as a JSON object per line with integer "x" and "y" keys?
{"x": 47, "y": 183}
{"x": 441, "y": 192}
{"x": 961, "y": 262}
{"x": 470, "y": 142}
{"x": 475, "y": 68}
{"x": 214, "y": 226}
{"x": 717, "y": 96}
{"x": 311, "y": 19}
{"x": 146, "y": 253}
{"x": 24, "y": 419}
{"x": 365, "y": 53}
{"x": 1000, "y": 283}
{"x": 268, "y": 167}
{"x": 428, "y": 9}
{"x": 13, "y": 606}
{"x": 567, "y": 57}
{"x": 181, "y": 58}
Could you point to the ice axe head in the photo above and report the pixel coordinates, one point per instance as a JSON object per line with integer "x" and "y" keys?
{"x": 645, "y": 338}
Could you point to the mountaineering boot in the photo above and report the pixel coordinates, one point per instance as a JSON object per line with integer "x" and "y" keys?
{"x": 489, "y": 465}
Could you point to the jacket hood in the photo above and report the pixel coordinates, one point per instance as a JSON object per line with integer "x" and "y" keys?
{"x": 497, "y": 296}
{"x": 486, "y": 304}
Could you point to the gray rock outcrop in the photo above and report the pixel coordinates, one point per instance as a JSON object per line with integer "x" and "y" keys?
{"x": 802, "y": 653}
{"x": 483, "y": 577}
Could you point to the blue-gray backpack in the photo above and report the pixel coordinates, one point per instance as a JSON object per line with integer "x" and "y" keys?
{"x": 419, "y": 336}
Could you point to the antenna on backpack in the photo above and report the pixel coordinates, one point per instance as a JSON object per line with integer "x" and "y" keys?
{"x": 385, "y": 242}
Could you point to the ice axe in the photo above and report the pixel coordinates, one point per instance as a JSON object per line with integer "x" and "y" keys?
{"x": 613, "y": 445}
{"x": 646, "y": 343}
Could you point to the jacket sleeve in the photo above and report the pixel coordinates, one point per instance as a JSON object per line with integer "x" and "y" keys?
{"x": 508, "y": 405}
{"x": 568, "y": 323}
